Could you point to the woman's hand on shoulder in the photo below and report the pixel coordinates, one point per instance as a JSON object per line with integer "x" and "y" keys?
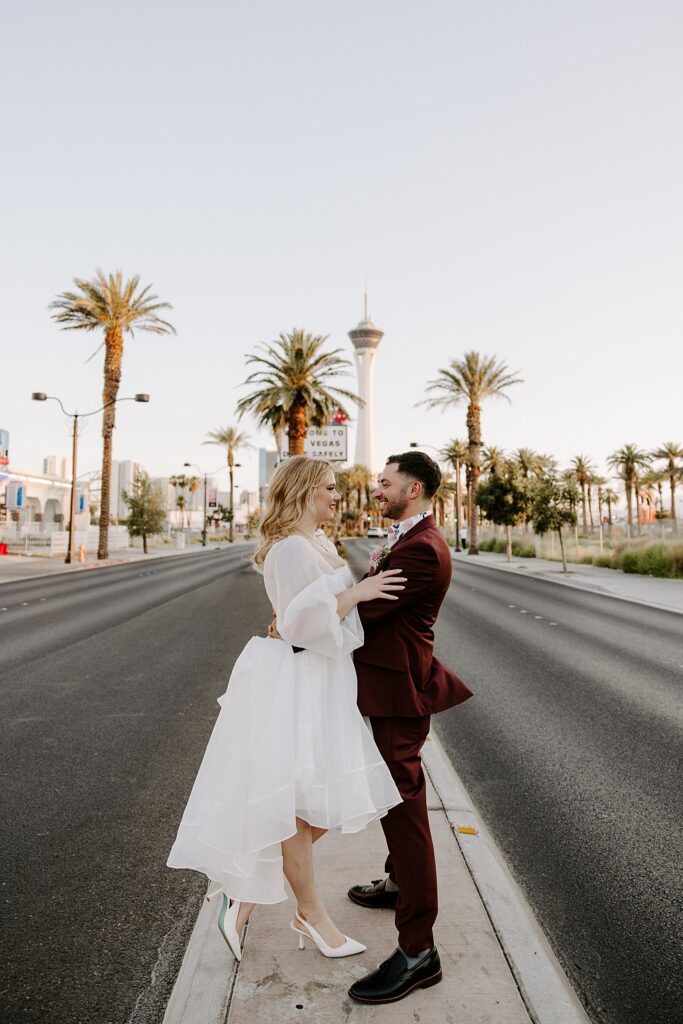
{"x": 381, "y": 585}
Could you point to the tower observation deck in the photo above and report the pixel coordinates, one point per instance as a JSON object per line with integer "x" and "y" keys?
{"x": 365, "y": 338}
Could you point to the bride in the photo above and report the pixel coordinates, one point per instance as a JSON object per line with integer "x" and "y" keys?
{"x": 290, "y": 756}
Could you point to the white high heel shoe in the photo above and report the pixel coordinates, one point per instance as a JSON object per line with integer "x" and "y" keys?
{"x": 227, "y": 922}
{"x": 349, "y": 948}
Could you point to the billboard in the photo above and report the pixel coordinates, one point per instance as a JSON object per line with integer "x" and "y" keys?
{"x": 326, "y": 443}
{"x": 14, "y": 496}
{"x": 4, "y": 448}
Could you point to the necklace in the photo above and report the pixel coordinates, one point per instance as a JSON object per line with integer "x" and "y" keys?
{"x": 312, "y": 538}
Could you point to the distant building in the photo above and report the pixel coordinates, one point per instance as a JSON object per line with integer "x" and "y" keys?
{"x": 122, "y": 477}
{"x": 267, "y": 461}
{"x": 57, "y": 466}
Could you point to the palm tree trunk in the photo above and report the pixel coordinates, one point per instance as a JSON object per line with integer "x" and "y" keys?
{"x": 297, "y": 427}
{"x": 590, "y": 507}
{"x": 508, "y": 535}
{"x": 474, "y": 460}
{"x": 112, "y": 379}
{"x": 629, "y": 509}
{"x": 583, "y": 506}
{"x": 672, "y": 487}
{"x": 458, "y": 504}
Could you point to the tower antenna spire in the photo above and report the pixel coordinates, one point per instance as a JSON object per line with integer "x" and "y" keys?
{"x": 365, "y": 299}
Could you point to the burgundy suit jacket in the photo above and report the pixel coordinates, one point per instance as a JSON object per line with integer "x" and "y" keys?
{"x": 398, "y": 675}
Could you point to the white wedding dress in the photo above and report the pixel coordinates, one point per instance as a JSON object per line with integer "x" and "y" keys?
{"x": 289, "y": 740}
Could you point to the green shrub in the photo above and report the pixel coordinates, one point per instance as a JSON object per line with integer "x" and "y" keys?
{"x": 488, "y": 544}
{"x": 520, "y": 550}
{"x": 603, "y": 561}
{"x": 654, "y": 560}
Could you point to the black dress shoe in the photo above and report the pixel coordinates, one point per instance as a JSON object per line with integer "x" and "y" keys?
{"x": 394, "y": 979}
{"x": 374, "y": 895}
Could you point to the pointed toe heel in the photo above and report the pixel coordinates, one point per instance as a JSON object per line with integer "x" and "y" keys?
{"x": 306, "y": 931}
{"x": 227, "y": 922}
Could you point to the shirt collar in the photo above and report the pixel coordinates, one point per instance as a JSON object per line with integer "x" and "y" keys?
{"x": 399, "y": 529}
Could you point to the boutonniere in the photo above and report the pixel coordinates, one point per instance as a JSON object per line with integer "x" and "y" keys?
{"x": 376, "y": 556}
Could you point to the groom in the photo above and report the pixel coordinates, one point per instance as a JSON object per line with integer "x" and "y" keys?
{"x": 400, "y": 684}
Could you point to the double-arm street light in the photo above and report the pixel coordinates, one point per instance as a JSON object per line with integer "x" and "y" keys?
{"x": 40, "y": 396}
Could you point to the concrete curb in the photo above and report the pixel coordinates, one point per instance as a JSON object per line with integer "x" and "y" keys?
{"x": 587, "y": 587}
{"x": 543, "y": 985}
{"x": 203, "y": 989}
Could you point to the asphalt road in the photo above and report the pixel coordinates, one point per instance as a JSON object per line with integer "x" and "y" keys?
{"x": 571, "y": 750}
{"x": 108, "y": 687}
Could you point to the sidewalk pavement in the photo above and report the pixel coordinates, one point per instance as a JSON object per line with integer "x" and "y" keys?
{"x": 27, "y": 567}
{"x": 497, "y": 965}
{"x": 651, "y": 590}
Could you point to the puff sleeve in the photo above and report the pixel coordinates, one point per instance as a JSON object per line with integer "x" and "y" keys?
{"x": 304, "y": 597}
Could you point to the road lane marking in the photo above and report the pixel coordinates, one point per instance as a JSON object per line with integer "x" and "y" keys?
{"x": 512, "y": 606}
{"x": 523, "y": 611}
{"x": 538, "y": 616}
{"x": 553, "y": 623}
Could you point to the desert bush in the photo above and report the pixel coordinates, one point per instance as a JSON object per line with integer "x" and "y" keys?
{"x": 654, "y": 560}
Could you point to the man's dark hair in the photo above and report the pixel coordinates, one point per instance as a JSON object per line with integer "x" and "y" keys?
{"x": 420, "y": 467}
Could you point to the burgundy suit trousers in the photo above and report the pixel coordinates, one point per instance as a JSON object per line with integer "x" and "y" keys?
{"x": 411, "y": 861}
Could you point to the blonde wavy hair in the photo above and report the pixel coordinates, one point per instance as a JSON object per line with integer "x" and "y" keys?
{"x": 291, "y": 493}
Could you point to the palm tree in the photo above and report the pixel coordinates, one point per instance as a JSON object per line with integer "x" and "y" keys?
{"x": 180, "y": 481}
{"x": 193, "y": 485}
{"x": 610, "y": 498}
{"x": 530, "y": 463}
{"x": 671, "y": 452}
{"x": 108, "y": 303}
{"x": 443, "y": 495}
{"x": 359, "y": 479}
{"x": 493, "y": 459}
{"x": 628, "y": 462}
{"x": 582, "y": 468}
{"x": 294, "y": 373}
{"x": 342, "y": 480}
{"x": 231, "y": 439}
{"x": 471, "y": 379}
{"x": 455, "y": 452}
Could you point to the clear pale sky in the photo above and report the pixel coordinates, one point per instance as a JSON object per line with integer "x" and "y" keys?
{"x": 507, "y": 174}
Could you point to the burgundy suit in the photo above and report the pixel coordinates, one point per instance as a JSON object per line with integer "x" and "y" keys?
{"x": 400, "y": 684}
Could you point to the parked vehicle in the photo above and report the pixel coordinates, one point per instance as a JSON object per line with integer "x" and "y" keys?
{"x": 376, "y": 531}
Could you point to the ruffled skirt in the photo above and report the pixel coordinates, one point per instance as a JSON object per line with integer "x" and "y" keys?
{"x": 289, "y": 742}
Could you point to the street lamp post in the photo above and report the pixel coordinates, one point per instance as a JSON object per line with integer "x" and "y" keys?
{"x": 40, "y": 396}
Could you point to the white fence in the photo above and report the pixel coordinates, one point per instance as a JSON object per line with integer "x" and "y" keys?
{"x": 56, "y": 542}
